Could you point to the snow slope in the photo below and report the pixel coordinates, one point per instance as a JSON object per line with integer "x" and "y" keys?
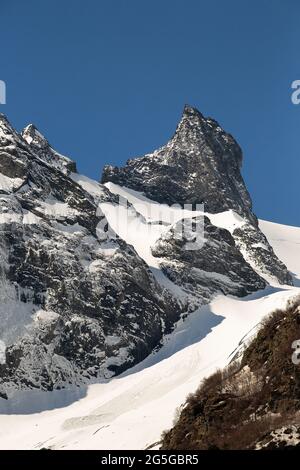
{"x": 131, "y": 411}
{"x": 135, "y": 220}
{"x": 286, "y": 244}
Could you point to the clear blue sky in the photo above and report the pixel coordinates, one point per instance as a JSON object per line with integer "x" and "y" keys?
{"x": 107, "y": 80}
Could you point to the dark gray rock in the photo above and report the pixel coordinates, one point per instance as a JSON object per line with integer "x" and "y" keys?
{"x": 41, "y": 147}
{"x": 257, "y": 250}
{"x": 216, "y": 266}
{"x": 200, "y": 164}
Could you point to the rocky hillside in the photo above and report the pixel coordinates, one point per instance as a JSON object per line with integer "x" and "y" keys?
{"x": 255, "y": 402}
{"x": 204, "y": 270}
{"x": 75, "y": 304}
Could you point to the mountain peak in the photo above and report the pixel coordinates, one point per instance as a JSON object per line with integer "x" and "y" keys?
{"x": 192, "y": 116}
{"x": 7, "y": 133}
{"x": 4, "y": 123}
{"x": 32, "y": 135}
{"x": 189, "y": 110}
{"x": 200, "y": 164}
{"x": 41, "y": 146}
{"x": 191, "y": 127}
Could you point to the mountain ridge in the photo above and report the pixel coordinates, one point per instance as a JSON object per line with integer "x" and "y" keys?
{"x": 92, "y": 304}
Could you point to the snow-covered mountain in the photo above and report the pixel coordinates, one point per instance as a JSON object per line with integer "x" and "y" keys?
{"x": 202, "y": 164}
{"x": 76, "y": 305}
{"x": 131, "y": 410}
{"x": 94, "y": 282}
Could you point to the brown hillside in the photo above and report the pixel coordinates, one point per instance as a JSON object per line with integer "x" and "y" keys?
{"x": 253, "y": 403}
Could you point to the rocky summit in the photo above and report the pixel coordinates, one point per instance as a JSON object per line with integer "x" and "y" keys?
{"x": 80, "y": 301}
{"x": 200, "y": 164}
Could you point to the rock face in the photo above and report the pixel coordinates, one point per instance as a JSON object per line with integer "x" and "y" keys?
{"x": 258, "y": 252}
{"x": 200, "y": 164}
{"x": 78, "y": 303}
{"x": 75, "y": 304}
{"x": 284, "y": 438}
{"x": 204, "y": 270}
{"x": 41, "y": 147}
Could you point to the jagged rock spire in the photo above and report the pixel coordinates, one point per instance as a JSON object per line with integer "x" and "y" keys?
{"x": 200, "y": 164}
{"x": 41, "y": 146}
{"x": 7, "y": 132}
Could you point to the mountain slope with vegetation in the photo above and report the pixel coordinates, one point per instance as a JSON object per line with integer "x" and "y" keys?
{"x": 254, "y": 402}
